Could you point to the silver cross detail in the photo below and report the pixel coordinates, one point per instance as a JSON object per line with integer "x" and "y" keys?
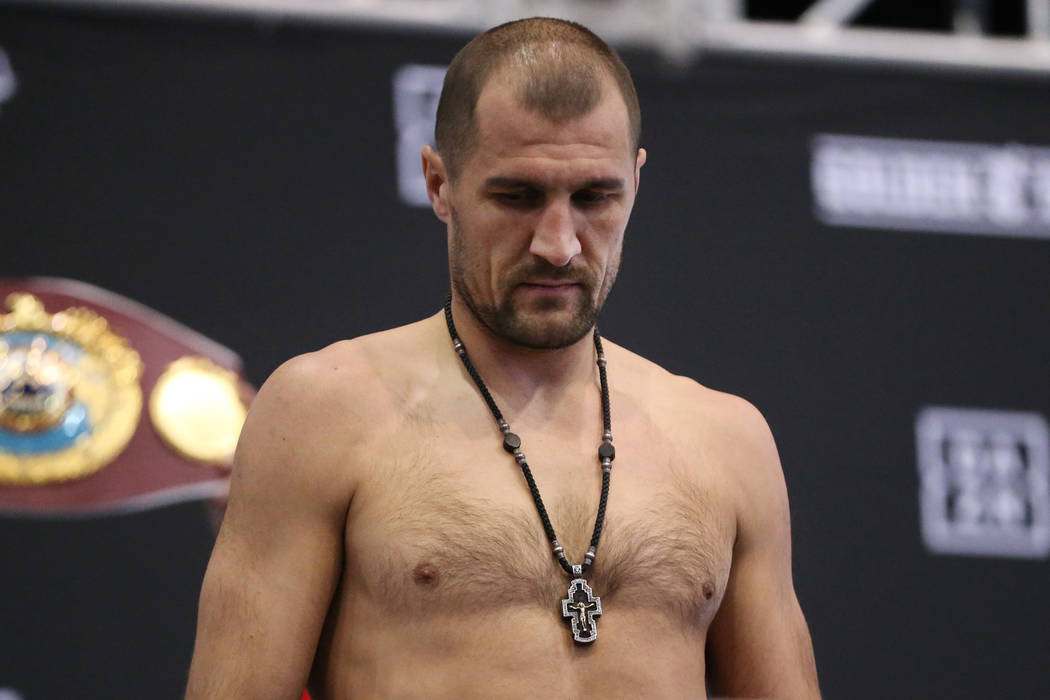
{"x": 581, "y": 607}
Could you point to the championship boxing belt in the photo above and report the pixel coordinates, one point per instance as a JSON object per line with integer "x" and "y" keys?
{"x": 107, "y": 406}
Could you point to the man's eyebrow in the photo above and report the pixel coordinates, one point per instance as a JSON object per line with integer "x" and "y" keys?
{"x": 508, "y": 182}
{"x": 602, "y": 183}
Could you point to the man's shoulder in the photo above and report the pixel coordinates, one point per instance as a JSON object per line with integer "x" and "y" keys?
{"x": 682, "y": 395}
{"x": 362, "y": 354}
{"x": 697, "y": 416}
{"x": 318, "y": 410}
{"x": 352, "y": 379}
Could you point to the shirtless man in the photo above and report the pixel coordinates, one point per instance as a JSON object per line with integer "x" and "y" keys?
{"x": 379, "y": 541}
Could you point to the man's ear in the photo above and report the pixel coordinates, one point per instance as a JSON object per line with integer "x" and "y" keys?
{"x": 436, "y": 176}
{"x": 638, "y": 163}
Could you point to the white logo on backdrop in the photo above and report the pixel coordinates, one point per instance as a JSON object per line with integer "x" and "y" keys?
{"x": 8, "y": 84}
{"x": 985, "y": 482}
{"x": 995, "y": 189}
{"x": 416, "y": 92}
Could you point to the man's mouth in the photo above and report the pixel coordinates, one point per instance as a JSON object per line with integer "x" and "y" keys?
{"x": 550, "y": 286}
{"x": 552, "y": 283}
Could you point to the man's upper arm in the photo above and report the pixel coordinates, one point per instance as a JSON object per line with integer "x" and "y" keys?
{"x": 278, "y": 555}
{"x": 758, "y": 644}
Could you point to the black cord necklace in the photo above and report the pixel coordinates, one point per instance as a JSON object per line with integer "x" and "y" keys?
{"x": 581, "y": 606}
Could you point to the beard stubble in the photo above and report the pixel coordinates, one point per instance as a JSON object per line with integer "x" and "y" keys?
{"x": 540, "y": 327}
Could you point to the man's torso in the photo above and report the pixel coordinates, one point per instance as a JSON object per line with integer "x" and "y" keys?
{"x": 449, "y": 587}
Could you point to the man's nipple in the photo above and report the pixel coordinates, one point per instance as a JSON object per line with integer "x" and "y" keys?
{"x": 708, "y": 589}
{"x": 426, "y": 574}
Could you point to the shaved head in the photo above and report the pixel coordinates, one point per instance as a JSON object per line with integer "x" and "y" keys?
{"x": 556, "y": 66}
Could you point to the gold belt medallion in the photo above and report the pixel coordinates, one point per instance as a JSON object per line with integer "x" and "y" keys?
{"x": 70, "y": 398}
{"x": 197, "y": 410}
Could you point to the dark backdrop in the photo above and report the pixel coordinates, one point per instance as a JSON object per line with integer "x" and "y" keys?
{"x": 239, "y": 176}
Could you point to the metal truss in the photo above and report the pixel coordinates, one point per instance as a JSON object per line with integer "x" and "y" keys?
{"x": 681, "y": 29}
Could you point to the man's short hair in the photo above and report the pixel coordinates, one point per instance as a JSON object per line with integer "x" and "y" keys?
{"x": 559, "y": 65}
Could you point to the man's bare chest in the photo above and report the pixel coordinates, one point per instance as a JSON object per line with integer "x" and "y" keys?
{"x": 449, "y": 527}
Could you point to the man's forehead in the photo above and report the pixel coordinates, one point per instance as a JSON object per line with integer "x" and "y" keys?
{"x": 505, "y": 122}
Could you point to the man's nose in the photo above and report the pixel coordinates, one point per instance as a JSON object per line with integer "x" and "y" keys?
{"x": 555, "y": 238}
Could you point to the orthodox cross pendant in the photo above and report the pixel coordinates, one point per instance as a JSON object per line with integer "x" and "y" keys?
{"x": 580, "y": 608}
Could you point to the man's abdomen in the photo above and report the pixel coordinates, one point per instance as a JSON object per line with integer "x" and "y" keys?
{"x": 500, "y": 652}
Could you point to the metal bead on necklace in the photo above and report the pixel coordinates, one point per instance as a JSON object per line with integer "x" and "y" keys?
{"x": 581, "y": 607}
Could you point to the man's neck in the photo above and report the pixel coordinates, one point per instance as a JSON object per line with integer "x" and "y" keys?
{"x": 520, "y": 375}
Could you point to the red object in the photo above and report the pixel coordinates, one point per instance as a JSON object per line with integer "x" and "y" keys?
{"x": 147, "y": 473}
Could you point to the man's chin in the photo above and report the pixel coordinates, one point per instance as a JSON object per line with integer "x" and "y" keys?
{"x": 548, "y": 329}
